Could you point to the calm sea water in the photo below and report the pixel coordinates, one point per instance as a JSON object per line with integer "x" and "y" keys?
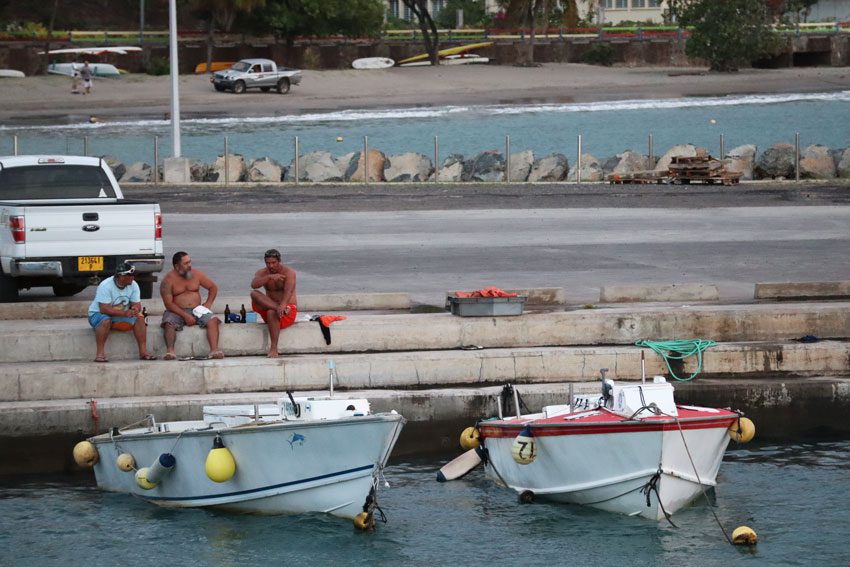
{"x": 607, "y": 128}
{"x": 797, "y": 497}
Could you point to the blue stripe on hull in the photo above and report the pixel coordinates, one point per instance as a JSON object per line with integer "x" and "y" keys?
{"x": 261, "y": 489}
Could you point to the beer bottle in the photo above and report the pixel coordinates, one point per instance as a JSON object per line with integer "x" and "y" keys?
{"x": 227, "y": 313}
{"x": 242, "y": 314}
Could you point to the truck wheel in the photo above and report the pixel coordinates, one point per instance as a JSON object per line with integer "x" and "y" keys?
{"x": 283, "y": 86}
{"x": 146, "y": 289}
{"x": 239, "y": 87}
{"x": 67, "y": 289}
{"x": 8, "y": 289}
{"x": 265, "y": 89}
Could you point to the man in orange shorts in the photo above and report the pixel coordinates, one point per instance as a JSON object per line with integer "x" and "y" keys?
{"x": 278, "y": 305}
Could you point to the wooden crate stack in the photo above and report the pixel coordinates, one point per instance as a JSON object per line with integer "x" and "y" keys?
{"x": 701, "y": 168}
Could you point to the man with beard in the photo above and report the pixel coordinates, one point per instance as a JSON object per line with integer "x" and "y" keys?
{"x": 181, "y": 295}
{"x": 278, "y": 306}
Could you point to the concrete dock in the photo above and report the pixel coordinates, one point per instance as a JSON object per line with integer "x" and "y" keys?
{"x": 440, "y": 371}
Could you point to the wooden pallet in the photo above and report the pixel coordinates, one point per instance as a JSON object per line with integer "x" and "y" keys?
{"x": 638, "y": 178}
{"x": 701, "y": 169}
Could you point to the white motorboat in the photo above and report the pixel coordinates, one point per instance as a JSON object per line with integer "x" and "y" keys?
{"x": 631, "y": 451}
{"x": 298, "y": 455}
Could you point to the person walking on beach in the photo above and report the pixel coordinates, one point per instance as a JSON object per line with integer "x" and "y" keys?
{"x": 117, "y": 306}
{"x": 86, "y": 75}
{"x": 181, "y": 295}
{"x": 278, "y": 305}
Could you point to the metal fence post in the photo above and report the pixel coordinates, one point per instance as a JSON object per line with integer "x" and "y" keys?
{"x": 650, "y": 157}
{"x": 85, "y": 145}
{"x": 366, "y": 160}
{"x": 15, "y": 145}
{"x": 507, "y": 158}
{"x": 797, "y": 156}
{"x": 722, "y": 148}
{"x": 155, "y": 160}
{"x": 297, "y": 162}
{"x": 578, "y": 162}
{"x": 436, "y": 159}
{"x": 226, "y": 165}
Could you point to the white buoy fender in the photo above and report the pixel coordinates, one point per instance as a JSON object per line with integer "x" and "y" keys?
{"x": 524, "y": 448}
{"x": 743, "y": 430}
{"x": 85, "y": 454}
{"x": 220, "y": 465}
{"x": 161, "y": 467}
{"x": 142, "y": 479}
{"x": 125, "y": 462}
{"x": 460, "y": 466}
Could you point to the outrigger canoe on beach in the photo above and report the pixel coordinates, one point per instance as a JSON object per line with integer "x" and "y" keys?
{"x": 443, "y": 53}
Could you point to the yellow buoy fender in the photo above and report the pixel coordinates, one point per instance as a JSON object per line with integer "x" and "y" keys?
{"x": 142, "y": 479}
{"x": 125, "y": 462}
{"x": 85, "y": 454}
{"x": 524, "y": 448}
{"x": 220, "y": 465}
{"x": 469, "y": 439}
{"x": 363, "y": 521}
{"x": 743, "y": 430}
{"x": 744, "y": 535}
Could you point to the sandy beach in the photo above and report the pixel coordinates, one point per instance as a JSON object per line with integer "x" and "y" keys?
{"x": 47, "y": 99}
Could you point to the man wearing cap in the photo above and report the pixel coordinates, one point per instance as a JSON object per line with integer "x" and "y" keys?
{"x": 278, "y": 306}
{"x": 181, "y": 294}
{"x": 117, "y": 305}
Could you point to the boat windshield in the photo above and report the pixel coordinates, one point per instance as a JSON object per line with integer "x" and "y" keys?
{"x": 241, "y": 66}
{"x": 54, "y": 182}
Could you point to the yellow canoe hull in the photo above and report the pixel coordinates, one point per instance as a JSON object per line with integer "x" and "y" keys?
{"x": 446, "y": 52}
{"x": 216, "y": 66}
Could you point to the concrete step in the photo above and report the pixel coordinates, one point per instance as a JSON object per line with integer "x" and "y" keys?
{"x": 67, "y": 380}
{"x": 73, "y": 340}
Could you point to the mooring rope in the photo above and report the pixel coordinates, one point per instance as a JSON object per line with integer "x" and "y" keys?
{"x": 679, "y": 350}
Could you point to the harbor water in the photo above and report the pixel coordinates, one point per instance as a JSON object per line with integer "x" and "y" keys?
{"x": 796, "y": 496}
{"x": 607, "y": 128}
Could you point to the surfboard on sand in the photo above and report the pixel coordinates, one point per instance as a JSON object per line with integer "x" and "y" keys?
{"x": 464, "y": 59}
{"x": 373, "y": 63}
{"x": 443, "y": 53}
{"x": 216, "y": 66}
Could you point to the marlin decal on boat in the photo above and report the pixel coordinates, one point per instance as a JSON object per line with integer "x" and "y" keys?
{"x": 296, "y": 438}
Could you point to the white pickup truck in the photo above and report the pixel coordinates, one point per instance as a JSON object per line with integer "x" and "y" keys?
{"x": 65, "y": 224}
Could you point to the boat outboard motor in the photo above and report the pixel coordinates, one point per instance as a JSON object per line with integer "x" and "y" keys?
{"x": 607, "y": 388}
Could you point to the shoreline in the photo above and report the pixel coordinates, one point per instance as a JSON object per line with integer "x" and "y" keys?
{"x": 44, "y": 100}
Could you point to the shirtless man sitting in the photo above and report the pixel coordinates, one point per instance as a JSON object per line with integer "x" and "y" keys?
{"x": 278, "y": 306}
{"x": 180, "y": 290}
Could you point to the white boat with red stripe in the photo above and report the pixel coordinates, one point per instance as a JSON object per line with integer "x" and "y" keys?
{"x": 633, "y": 451}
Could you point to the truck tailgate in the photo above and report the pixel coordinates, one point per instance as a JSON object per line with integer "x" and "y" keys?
{"x": 85, "y": 230}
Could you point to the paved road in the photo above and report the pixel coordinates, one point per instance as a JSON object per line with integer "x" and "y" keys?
{"x": 561, "y": 237}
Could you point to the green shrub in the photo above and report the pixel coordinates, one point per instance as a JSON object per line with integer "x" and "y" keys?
{"x": 159, "y": 66}
{"x": 599, "y": 54}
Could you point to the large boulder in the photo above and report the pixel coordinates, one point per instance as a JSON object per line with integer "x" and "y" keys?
{"x": 630, "y": 162}
{"x": 591, "y": 170}
{"x": 776, "y": 162}
{"x": 741, "y": 160}
{"x": 682, "y": 150}
{"x": 237, "y": 170}
{"x": 608, "y": 164}
{"x": 316, "y": 167}
{"x": 452, "y": 169}
{"x": 198, "y": 171}
{"x": 486, "y": 166}
{"x": 843, "y": 168}
{"x": 409, "y": 166}
{"x": 520, "y": 165}
{"x": 115, "y": 164}
{"x": 139, "y": 172}
{"x": 553, "y": 167}
{"x": 816, "y": 163}
{"x": 265, "y": 170}
{"x": 355, "y": 171}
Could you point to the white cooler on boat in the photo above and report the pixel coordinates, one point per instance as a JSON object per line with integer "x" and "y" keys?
{"x": 631, "y": 397}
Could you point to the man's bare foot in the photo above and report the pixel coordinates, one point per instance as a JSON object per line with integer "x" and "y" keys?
{"x": 272, "y": 354}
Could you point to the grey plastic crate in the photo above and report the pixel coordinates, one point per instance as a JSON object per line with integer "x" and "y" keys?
{"x": 486, "y": 306}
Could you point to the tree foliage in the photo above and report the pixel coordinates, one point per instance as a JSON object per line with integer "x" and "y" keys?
{"x": 473, "y": 13}
{"x": 430, "y": 36}
{"x": 727, "y": 33}
{"x": 292, "y": 18}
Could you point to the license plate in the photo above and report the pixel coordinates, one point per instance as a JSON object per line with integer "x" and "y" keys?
{"x": 90, "y": 263}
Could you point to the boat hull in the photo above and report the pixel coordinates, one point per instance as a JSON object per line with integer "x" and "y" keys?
{"x": 281, "y": 468}
{"x": 610, "y": 466}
